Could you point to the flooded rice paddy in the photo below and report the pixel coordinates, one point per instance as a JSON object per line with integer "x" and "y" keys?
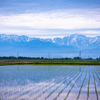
{"x": 28, "y": 82}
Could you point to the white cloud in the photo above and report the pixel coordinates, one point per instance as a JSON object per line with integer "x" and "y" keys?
{"x": 53, "y": 20}
{"x": 66, "y": 19}
{"x": 91, "y": 32}
{"x": 49, "y": 33}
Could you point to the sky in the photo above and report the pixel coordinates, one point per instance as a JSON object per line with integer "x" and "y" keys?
{"x": 50, "y": 18}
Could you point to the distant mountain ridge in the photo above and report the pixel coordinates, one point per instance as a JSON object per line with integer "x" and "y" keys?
{"x": 77, "y": 40}
{"x": 59, "y": 47}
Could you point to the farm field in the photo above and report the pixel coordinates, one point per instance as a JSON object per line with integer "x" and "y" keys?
{"x": 49, "y": 82}
{"x": 48, "y": 62}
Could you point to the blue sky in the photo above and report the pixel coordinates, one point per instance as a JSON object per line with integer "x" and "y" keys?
{"x": 50, "y": 18}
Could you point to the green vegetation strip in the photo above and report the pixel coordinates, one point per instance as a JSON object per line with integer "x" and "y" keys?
{"x": 54, "y": 62}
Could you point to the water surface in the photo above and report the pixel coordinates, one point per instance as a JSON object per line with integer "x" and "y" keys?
{"x": 30, "y": 82}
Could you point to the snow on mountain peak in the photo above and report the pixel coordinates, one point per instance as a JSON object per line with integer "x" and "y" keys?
{"x": 76, "y": 40}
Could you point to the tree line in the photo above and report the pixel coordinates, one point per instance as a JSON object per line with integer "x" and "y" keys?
{"x": 42, "y": 58}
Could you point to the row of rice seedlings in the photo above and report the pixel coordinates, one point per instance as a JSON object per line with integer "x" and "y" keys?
{"x": 97, "y": 70}
{"x": 17, "y": 91}
{"x": 64, "y": 75}
{"x": 88, "y": 85}
{"x": 96, "y": 74}
{"x": 38, "y": 89}
{"x": 45, "y": 72}
{"x": 60, "y": 71}
{"x": 67, "y": 85}
{"x": 27, "y": 91}
{"x": 50, "y": 87}
{"x": 40, "y": 69}
{"x": 98, "y": 67}
{"x": 82, "y": 85}
{"x": 73, "y": 85}
{"x": 59, "y": 86}
{"x": 6, "y": 94}
{"x": 95, "y": 86}
{"x": 45, "y": 91}
{"x": 11, "y": 93}
{"x": 46, "y": 85}
{"x": 36, "y": 70}
{"x": 14, "y": 91}
{"x": 1, "y": 98}
{"x": 48, "y": 75}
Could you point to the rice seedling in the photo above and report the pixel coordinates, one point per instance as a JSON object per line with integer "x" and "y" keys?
{"x": 29, "y": 89}
{"x": 25, "y": 92}
{"x": 67, "y": 85}
{"x": 95, "y": 86}
{"x": 49, "y": 88}
{"x": 82, "y": 85}
{"x": 73, "y": 85}
{"x": 96, "y": 74}
{"x": 58, "y": 86}
{"x": 46, "y": 82}
{"x": 88, "y": 85}
{"x": 97, "y": 71}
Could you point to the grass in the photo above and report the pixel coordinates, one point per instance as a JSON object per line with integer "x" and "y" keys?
{"x": 49, "y": 62}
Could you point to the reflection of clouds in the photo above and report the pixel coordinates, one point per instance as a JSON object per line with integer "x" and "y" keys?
{"x": 61, "y": 83}
{"x": 16, "y": 91}
{"x": 91, "y": 88}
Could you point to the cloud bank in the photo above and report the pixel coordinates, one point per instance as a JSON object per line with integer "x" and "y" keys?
{"x": 37, "y": 24}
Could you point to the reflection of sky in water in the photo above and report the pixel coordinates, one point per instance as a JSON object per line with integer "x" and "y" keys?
{"x": 49, "y": 82}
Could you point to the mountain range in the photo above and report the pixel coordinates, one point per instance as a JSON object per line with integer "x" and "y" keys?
{"x": 68, "y": 46}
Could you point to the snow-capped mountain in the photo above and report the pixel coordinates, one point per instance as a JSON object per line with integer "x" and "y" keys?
{"x": 80, "y": 41}
{"x": 13, "y": 38}
{"x": 67, "y": 46}
{"x": 77, "y": 40}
